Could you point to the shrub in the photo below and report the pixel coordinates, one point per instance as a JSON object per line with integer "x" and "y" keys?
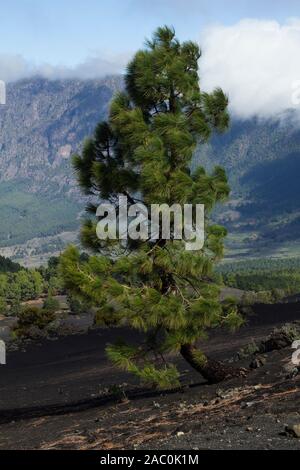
{"x": 3, "y": 306}
{"x": 15, "y": 308}
{"x": 32, "y": 317}
{"x": 76, "y": 306}
{"x": 51, "y": 304}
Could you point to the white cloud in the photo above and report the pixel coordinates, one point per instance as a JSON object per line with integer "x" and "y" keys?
{"x": 13, "y": 68}
{"x": 256, "y": 62}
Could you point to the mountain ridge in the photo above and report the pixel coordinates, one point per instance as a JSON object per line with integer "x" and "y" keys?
{"x": 42, "y": 124}
{"x": 45, "y": 121}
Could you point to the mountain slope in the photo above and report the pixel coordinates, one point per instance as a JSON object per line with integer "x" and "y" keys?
{"x": 262, "y": 159}
{"x": 43, "y": 123}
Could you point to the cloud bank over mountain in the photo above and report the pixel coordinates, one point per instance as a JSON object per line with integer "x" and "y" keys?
{"x": 13, "y": 68}
{"x": 256, "y": 63}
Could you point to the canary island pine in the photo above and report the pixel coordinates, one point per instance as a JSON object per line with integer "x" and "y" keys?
{"x": 144, "y": 152}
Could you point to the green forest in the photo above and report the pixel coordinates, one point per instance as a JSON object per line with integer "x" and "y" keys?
{"x": 281, "y": 275}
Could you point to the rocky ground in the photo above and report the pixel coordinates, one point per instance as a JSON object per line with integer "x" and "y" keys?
{"x": 64, "y": 395}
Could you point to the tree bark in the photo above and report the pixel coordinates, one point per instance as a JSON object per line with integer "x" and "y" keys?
{"x": 213, "y": 371}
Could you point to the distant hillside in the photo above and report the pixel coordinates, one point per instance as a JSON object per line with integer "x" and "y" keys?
{"x": 262, "y": 159}
{"x": 44, "y": 122}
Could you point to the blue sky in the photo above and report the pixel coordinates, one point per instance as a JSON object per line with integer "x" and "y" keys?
{"x": 65, "y": 32}
{"x": 250, "y": 47}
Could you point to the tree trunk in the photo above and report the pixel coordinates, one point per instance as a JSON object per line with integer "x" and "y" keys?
{"x": 213, "y": 371}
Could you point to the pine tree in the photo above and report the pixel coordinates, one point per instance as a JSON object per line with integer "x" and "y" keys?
{"x": 144, "y": 152}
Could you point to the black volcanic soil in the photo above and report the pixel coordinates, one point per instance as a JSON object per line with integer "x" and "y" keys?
{"x": 64, "y": 395}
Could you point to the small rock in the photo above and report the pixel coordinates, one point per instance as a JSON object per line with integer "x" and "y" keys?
{"x": 248, "y": 404}
{"x": 180, "y": 433}
{"x": 293, "y": 372}
{"x": 293, "y": 430}
{"x": 259, "y": 361}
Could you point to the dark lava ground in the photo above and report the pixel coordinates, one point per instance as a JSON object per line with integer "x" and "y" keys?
{"x": 64, "y": 395}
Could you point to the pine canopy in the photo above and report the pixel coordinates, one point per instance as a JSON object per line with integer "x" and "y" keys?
{"x": 144, "y": 152}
